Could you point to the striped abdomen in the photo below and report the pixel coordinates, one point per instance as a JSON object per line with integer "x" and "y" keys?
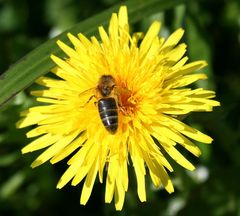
{"x": 108, "y": 112}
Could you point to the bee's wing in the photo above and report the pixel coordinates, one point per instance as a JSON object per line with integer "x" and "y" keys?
{"x": 87, "y": 92}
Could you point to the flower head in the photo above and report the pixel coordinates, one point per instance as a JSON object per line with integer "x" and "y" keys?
{"x": 144, "y": 94}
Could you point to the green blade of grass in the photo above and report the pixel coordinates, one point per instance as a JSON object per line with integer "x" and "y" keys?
{"x": 37, "y": 63}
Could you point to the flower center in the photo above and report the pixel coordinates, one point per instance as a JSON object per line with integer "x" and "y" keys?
{"x": 127, "y": 102}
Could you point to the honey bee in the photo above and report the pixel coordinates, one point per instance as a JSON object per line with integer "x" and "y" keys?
{"x": 107, "y": 103}
{"x": 107, "y": 95}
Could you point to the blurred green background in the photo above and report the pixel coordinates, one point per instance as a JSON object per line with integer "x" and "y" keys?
{"x": 212, "y": 32}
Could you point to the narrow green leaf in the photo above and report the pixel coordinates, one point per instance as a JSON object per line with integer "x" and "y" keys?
{"x": 10, "y": 186}
{"x": 37, "y": 62}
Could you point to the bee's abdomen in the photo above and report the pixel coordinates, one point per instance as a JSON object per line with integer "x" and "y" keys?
{"x": 107, "y": 108}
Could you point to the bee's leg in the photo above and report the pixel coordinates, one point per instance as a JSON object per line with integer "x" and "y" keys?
{"x": 124, "y": 112}
{"x": 123, "y": 95}
{"x": 88, "y": 101}
{"x": 120, "y": 106}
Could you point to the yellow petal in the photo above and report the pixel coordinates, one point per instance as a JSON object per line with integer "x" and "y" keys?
{"x": 188, "y": 68}
{"x": 69, "y": 149}
{"x": 77, "y": 43}
{"x": 188, "y": 131}
{"x": 110, "y": 184}
{"x": 85, "y": 41}
{"x": 68, "y": 175}
{"x": 123, "y": 16}
{"x": 177, "y": 137}
{"x": 88, "y": 184}
{"x": 179, "y": 158}
{"x": 174, "y": 38}
{"x": 138, "y": 166}
{"x": 113, "y": 29}
{"x": 103, "y": 35}
{"x": 176, "y": 54}
{"x": 54, "y": 149}
{"x": 149, "y": 37}
{"x": 159, "y": 172}
{"x": 30, "y": 120}
{"x": 186, "y": 80}
{"x": 119, "y": 194}
{"x": 64, "y": 65}
{"x": 41, "y": 142}
{"x": 68, "y": 50}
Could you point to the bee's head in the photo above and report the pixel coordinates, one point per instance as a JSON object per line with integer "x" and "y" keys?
{"x": 106, "y": 84}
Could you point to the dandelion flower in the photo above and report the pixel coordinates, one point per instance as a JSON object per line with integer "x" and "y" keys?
{"x": 150, "y": 75}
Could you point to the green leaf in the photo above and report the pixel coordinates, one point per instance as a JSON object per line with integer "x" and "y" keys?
{"x": 199, "y": 47}
{"x": 12, "y": 184}
{"x": 37, "y": 63}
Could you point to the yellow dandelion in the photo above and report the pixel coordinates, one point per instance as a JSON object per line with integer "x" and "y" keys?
{"x": 116, "y": 104}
